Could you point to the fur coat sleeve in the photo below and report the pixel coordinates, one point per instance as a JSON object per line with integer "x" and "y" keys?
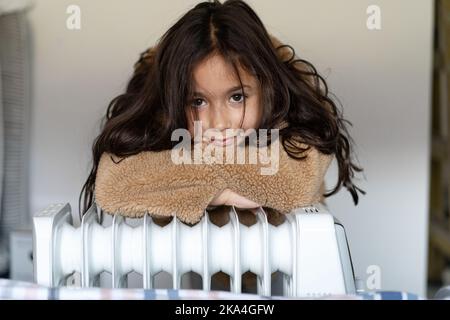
{"x": 150, "y": 182}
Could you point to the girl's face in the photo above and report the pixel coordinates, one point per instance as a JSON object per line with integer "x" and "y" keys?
{"x": 219, "y": 100}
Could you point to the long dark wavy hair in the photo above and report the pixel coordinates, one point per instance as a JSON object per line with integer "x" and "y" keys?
{"x": 154, "y": 103}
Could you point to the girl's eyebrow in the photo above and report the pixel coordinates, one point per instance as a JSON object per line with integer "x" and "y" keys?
{"x": 229, "y": 90}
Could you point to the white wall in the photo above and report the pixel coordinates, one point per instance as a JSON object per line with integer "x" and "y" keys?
{"x": 381, "y": 77}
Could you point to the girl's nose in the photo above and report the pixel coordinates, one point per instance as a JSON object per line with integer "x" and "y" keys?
{"x": 220, "y": 119}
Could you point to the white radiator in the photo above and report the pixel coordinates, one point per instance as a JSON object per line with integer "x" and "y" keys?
{"x": 310, "y": 249}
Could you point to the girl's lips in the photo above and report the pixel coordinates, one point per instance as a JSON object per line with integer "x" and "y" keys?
{"x": 223, "y": 142}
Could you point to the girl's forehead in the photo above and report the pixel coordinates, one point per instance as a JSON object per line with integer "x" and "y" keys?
{"x": 215, "y": 74}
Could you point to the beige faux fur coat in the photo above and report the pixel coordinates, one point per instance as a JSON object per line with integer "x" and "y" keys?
{"x": 150, "y": 182}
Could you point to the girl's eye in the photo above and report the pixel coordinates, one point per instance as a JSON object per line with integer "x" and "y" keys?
{"x": 239, "y": 97}
{"x": 197, "y": 102}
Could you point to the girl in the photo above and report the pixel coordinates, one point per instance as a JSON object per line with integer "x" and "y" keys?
{"x": 219, "y": 65}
